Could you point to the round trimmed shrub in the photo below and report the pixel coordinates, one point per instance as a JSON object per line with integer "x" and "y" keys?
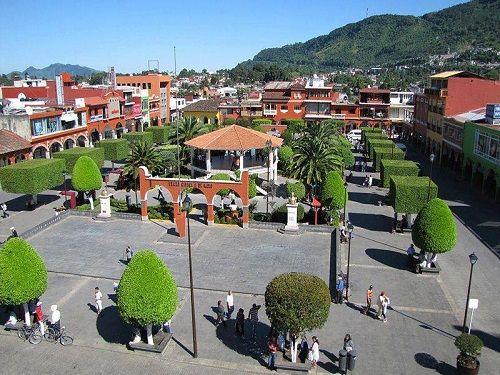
{"x": 23, "y": 276}
{"x": 86, "y": 175}
{"x": 285, "y": 154}
{"x": 298, "y": 189}
{"x": 280, "y": 215}
{"x": 333, "y": 191}
{"x": 297, "y": 302}
{"x": 434, "y": 229}
{"x": 470, "y": 347}
{"x": 147, "y": 292}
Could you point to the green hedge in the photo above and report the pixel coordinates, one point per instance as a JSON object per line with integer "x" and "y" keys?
{"x": 71, "y": 155}
{"x": 261, "y": 121}
{"x": 252, "y": 188}
{"x": 393, "y": 153}
{"x": 285, "y": 154}
{"x": 333, "y": 191}
{"x": 365, "y": 130}
{"x": 134, "y": 137}
{"x": 160, "y": 133}
{"x": 297, "y": 302}
{"x": 258, "y": 128}
{"x": 229, "y": 121}
{"x": 434, "y": 229}
{"x": 222, "y": 177}
{"x": 32, "y": 176}
{"x": 294, "y": 125}
{"x": 147, "y": 292}
{"x": 408, "y": 194}
{"x": 390, "y": 168}
{"x": 280, "y": 215}
{"x": 86, "y": 175}
{"x": 298, "y": 189}
{"x": 371, "y": 143}
{"x": 23, "y": 275}
{"x": 114, "y": 149}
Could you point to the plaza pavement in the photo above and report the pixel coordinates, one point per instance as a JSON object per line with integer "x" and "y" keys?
{"x": 426, "y": 314}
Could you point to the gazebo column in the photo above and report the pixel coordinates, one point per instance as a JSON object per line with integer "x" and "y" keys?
{"x": 210, "y": 214}
{"x": 208, "y": 161}
{"x": 241, "y": 162}
{"x": 192, "y": 161}
{"x": 275, "y": 166}
{"x": 271, "y": 165}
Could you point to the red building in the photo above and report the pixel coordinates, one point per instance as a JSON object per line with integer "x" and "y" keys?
{"x": 283, "y": 100}
{"x": 374, "y": 106}
{"x": 318, "y": 100}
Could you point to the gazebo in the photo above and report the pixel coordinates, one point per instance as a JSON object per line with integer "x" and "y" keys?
{"x": 234, "y": 147}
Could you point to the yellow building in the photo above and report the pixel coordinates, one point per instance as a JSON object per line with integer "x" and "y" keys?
{"x": 205, "y": 111}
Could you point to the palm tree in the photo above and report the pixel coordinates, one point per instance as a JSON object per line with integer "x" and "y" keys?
{"x": 141, "y": 154}
{"x": 316, "y": 153}
{"x": 189, "y": 128}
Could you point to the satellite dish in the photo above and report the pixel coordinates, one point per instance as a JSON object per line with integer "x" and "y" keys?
{"x": 21, "y": 96}
{"x": 29, "y": 111}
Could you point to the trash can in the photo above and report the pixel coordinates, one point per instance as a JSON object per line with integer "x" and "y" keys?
{"x": 129, "y": 200}
{"x": 351, "y": 360}
{"x": 342, "y": 360}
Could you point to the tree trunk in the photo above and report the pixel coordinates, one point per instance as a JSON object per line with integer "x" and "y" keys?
{"x": 293, "y": 349}
{"x": 34, "y": 198}
{"x": 27, "y": 318}
{"x": 149, "y": 334}
{"x": 91, "y": 201}
{"x": 137, "y": 336}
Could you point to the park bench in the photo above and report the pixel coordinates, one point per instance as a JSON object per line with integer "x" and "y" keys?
{"x": 434, "y": 268}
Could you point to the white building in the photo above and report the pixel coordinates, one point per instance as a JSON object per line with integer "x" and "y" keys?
{"x": 176, "y": 106}
{"x": 227, "y": 92}
{"x": 401, "y": 106}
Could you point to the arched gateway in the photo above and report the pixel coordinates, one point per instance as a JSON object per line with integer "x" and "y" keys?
{"x": 208, "y": 187}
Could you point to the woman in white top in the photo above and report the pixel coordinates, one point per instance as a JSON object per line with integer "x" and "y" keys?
{"x": 230, "y": 304}
{"x": 315, "y": 351}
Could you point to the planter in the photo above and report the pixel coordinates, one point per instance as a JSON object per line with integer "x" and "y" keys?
{"x": 467, "y": 370}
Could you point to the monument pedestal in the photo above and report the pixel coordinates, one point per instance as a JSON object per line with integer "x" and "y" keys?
{"x": 291, "y": 223}
{"x": 105, "y": 200}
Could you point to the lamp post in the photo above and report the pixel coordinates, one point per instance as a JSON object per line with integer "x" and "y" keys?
{"x": 186, "y": 206}
{"x": 345, "y": 197}
{"x": 350, "y": 229}
{"x": 64, "y": 172}
{"x": 268, "y": 149}
{"x": 431, "y": 159}
{"x": 473, "y": 259}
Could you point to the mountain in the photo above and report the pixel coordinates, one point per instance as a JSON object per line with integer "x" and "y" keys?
{"x": 52, "y": 70}
{"x": 391, "y": 39}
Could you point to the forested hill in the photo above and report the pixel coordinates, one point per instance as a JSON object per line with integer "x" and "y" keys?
{"x": 391, "y": 39}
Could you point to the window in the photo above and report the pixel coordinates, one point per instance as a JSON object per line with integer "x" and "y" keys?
{"x": 284, "y": 108}
{"x": 296, "y": 108}
{"x": 144, "y": 86}
{"x": 149, "y": 86}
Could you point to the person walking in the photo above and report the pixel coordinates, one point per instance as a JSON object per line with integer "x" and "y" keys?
{"x": 340, "y": 290}
{"x": 370, "y": 181}
{"x": 304, "y": 349}
{"x": 314, "y": 352}
{"x": 220, "y": 314}
{"x": 410, "y": 252}
{"x": 348, "y": 345}
{"x": 98, "y": 300}
{"x": 253, "y": 315}
{"x": 365, "y": 183}
{"x": 5, "y": 214}
{"x": 272, "y": 347}
{"x": 382, "y": 303}
{"x": 39, "y": 317}
{"x": 239, "y": 328}
{"x": 369, "y": 296}
{"x": 160, "y": 196}
{"x": 128, "y": 254}
{"x": 13, "y": 232}
{"x": 230, "y": 304}
{"x": 363, "y": 167}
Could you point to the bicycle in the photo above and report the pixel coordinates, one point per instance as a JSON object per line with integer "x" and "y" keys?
{"x": 32, "y": 333}
{"x": 62, "y": 336}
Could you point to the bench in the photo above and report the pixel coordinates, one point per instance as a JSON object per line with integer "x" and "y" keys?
{"x": 434, "y": 268}
{"x": 160, "y": 340}
{"x": 283, "y": 363}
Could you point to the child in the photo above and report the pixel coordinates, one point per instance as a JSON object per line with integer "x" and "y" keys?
{"x": 98, "y": 300}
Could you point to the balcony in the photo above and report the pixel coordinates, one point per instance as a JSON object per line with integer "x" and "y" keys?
{"x": 436, "y": 92}
{"x": 338, "y": 116}
{"x": 251, "y": 113}
{"x": 270, "y": 112}
{"x": 318, "y": 114}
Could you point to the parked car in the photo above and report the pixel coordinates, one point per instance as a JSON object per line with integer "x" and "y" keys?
{"x": 354, "y": 135}
{"x": 401, "y": 146}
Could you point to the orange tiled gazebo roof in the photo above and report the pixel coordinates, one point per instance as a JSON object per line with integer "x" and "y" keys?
{"x": 233, "y": 137}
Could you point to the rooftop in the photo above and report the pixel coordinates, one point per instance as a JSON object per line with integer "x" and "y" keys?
{"x": 210, "y": 105}
{"x": 233, "y": 137}
{"x": 11, "y": 142}
{"x": 375, "y": 90}
{"x": 455, "y": 73}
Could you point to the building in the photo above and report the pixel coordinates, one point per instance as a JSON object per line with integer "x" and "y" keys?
{"x": 205, "y": 111}
{"x": 227, "y": 92}
{"x": 158, "y": 89}
{"x": 374, "y": 105}
{"x": 318, "y": 100}
{"x": 177, "y": 105}
{"x": 13, "y": 148}
{"x": 283, "y": 100}
{"x": 451, "y": 93}
{"x": 401, "y": 110}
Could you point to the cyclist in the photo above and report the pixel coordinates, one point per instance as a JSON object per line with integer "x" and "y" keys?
{"x": 55, "y": 319}
{"x": 39, "y": 317}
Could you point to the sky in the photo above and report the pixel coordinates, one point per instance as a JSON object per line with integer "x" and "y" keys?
{"x": 211, "y": 34}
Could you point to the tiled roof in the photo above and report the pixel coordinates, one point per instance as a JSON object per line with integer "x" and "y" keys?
{"x": 277, "y": 85}
{"x": 275, "y": 96}
{"x": 375, "y": 90}
{"x": 11, "y": 142}
{"x": 233, "y": 137}
{"x": 210, "y": 105}
{"x": 95, "y": 100}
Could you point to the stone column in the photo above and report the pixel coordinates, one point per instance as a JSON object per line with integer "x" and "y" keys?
{"x": 246, "y": 215}
{"x": 241, "y": 163}
{"x": 208, "y": 161}
{"x": 144, "y": 210}
{"x": 275, "y": 163}
{"x": 113, "y": 134}
{"x": 104, "y": 199}
{"x": 271, "y": 167}
{"x": 210, "y": 214}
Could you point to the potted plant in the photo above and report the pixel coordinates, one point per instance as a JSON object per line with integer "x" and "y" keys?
{"x": 470, "y": 347}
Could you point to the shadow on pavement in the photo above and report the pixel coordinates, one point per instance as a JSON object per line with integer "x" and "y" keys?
{"x": 364, "y": 198}
{"x": 329, "y": 366}
{"x": 111, "y": 327}
{"x": 375, "y": 222}
{"x": 20, "y": 203}
{"x": 388, "y": 257}
{"x": 489, "y": 340}
{"x": 428, "y": 361}
{"x": 425, "y": 325}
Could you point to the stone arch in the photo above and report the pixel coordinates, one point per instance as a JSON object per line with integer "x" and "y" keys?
{"x": 95, "y": 136}
{"x": 40, "y": 152}
{"x": 56, "y": 147}
{"x": 205, "y": 120}
{"x": 81, "y": 141}
{"x": 4, "y": 161}
{"x": 20, "y": 157}
{"x": 69, "y": 143}
{"x": 108, "y": 132}
{"x": 119, "y": 130}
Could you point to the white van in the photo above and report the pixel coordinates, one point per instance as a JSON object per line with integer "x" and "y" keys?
{"x": 354, "y": 135}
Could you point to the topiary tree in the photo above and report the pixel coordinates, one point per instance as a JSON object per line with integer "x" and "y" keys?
{"x": 333, "y": 191}
{"x": 147, "y": 293}
{"x": 114, "y": 149}
{"x": 23, "y": 276}
{"x": 297, "y": 302}
{"x": 408, "y": 194}
{"x": 298, "y": 189}
{"x": 86, "y": 177}
{"x": 434, "y": 229}
{"x": 285, "y": 154}
{"x": 470, "y": 347}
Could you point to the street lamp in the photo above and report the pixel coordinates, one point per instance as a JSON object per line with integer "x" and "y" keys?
{"x": 268, "y": 149}
{"x": 64, "y": 172}
{"x": 431, "y": 159}
{"x": 350, "y": 229}
{"x": 345, "y": 197}
{"x": 186, "y": 206}
{"x": 473, "y": 259}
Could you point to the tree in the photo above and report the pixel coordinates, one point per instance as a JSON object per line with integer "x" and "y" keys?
{"x": 189, "y": 128}
{"x": 285, "y": 155}
{"x": 333, "y": 191}
{"x": 23, "y": 276}
{"x": 434, "y": 230}
{"x": 297, "y": 302}
{"x": 86, "y": 177}
{"x": 147, "y": 293}
{"x": 141, "y": 154}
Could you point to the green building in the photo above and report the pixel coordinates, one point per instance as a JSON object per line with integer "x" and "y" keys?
{"x": 481, "y": 149}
